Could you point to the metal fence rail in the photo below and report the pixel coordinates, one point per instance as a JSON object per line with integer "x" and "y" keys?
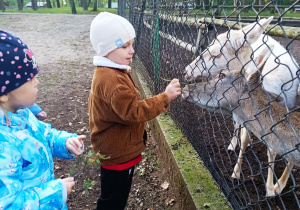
{"x": 234, "y": 81}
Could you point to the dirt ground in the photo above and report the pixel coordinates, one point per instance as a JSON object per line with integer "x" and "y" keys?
{"x": 64, "y": 55}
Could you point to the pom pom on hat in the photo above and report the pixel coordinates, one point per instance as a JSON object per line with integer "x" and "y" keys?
{"x": 109, "y": 32}
{"x": 17, "y": 63}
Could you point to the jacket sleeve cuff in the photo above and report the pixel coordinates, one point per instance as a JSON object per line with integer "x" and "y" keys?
{"x": 54, "y": 190}
{"x": 164, "y": 101}
{"x": 64, "y": 191}
{"x": 58, "y": 144}
{"x": 35, "y": 109}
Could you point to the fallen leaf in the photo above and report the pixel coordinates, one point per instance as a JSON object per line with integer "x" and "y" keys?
{"x": 170, "y": 202}
{"x": 165, "y": 185}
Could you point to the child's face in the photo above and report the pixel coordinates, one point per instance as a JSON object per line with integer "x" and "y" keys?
{"x": 23, "y": 96}
{"x": 123, "y": 54}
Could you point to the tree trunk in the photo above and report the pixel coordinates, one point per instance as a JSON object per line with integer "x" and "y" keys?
{"x": 49, "y": 4}
{"x": 206, "y": 4}
{"x": 261, "y": 3}
{"x": 245, "y": 3}
{"x": 109, "y": 3}
{"x": 235, "y": 3}
{"x": 34, "y": 4}
{"x": 185, "y": 7}
{"x": 2, "y": 6}
{"x": 53, "y": 2}
{"x": 84, "y": 4}
{"x": 20, "y": 5}
{"x": 72, "y": 4}
{"x": 88, "y": 4}
{"x": 58, "y": 3}
{"x": 95, "y": 6}
{"x": 121, "y": 7}
{"x": 197, "y": 2}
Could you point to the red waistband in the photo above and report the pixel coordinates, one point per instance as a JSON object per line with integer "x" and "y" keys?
{"x": 123, "y": 166}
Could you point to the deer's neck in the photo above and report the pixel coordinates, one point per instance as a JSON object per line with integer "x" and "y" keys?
{"x": 257, "y": 113}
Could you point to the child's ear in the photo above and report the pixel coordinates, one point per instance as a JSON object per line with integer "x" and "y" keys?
{"x": 4, "y": 98}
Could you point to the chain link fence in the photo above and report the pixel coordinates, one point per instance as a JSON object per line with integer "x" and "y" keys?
{"x": 239, "y": 72}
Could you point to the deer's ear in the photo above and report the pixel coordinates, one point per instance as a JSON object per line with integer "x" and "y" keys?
{"x": 253, "y": 79}
{"x": 262, "y": 57}
{"x": 254, "y": 30}
{"x": 275, "y": 97}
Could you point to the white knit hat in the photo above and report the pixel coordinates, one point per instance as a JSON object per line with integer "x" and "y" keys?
{"x": 109, "y": 31}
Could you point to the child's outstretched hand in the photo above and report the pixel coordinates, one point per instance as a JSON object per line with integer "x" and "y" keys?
{"x": 173, "y": 89}
{"x": 74, "y": 144}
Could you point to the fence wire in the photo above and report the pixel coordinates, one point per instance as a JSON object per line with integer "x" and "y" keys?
{"x": 240, "y": 76}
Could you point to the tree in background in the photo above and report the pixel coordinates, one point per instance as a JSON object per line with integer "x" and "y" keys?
{"x": 34, "y": 4}
{"x": 95, "y": 6}
{"x": 206, "y": 3}
{"x": 20, "y": 5}
{"x": 73, "y": 7}
{"x": 2, "y": 7}
{"x": 58, "y": 3}
{"x": 84, "y": 4}
{"x": 261, "y": 3}
{"x": 49, "y": 4}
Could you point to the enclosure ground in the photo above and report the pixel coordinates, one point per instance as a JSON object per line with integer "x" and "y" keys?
{"x": 64, "y": 55}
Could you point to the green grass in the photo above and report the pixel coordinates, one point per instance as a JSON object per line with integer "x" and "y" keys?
{"x": 266, "y": 13}
{"x": 63, "y": 10}
{"x": 231, "y": 13}
{"x": 202, "y": 187}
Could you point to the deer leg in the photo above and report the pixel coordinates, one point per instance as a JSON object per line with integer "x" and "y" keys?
{"x": 234, "y": 139}
{"x": 270, "y": 186}
{"x": 245, "y": 140}
{"x": 280, "y": 185}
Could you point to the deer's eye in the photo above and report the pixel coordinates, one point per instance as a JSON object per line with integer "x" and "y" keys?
{"x": 221, "y": 76}
{"x": 215, "y": 56}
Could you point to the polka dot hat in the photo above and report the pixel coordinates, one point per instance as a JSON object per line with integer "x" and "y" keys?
{"x": 17, "y": 63}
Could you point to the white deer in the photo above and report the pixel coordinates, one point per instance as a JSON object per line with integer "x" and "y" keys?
{"x": 245, "y": 48}
{"x": 245, "y": 96}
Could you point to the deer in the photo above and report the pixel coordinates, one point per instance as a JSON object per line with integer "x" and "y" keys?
{"x": 259, "y": 110}
{"x": 244, "y": 49}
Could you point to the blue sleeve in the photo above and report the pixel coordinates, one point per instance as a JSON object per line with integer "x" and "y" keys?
{"x": 35, "y": 109}
{"x": 56, "y": 139}
{"x": 51, "y": 194}
{"x": 57, "y": 143}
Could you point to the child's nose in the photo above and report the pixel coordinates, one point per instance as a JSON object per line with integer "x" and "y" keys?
{"x": 132, "y": 50}
{"x": 37, "y": 82}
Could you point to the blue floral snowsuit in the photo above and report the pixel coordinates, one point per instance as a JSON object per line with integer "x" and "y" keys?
{"x": 27, "y": 149}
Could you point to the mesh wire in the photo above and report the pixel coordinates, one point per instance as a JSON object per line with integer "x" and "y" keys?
{"x": 173, "y": 34}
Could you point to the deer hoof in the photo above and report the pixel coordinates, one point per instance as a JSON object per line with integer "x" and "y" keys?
{"x": 231, "y": 147}
{"x": 235, "y": 175}
{"x": 270, "y": 192}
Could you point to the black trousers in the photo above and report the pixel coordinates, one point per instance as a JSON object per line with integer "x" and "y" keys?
{"x": 115, "y": 188}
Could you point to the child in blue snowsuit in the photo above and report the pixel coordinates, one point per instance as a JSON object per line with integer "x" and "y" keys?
{"x": 27, "y": 145}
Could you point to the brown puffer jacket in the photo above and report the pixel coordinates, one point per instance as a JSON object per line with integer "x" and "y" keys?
{"x": 117, "y": 115}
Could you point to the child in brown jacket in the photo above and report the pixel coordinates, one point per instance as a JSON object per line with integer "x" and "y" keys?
{"x": 117, "y": 115}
